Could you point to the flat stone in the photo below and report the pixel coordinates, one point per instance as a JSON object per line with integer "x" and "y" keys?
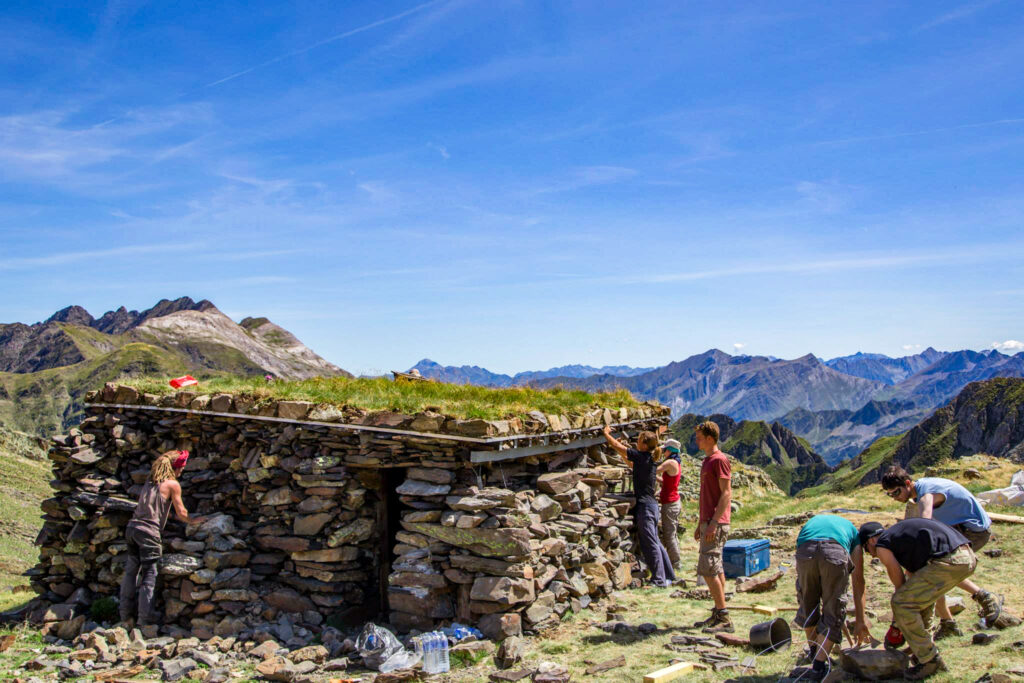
{"x": 279, "y": 496}
{"x": 502, "y": 589}
{"x": 310, "y": 525}
{"x": 434, "y": 475}
{"x": 874, "y": 664}
{"x": 412, "y": 487}
{"x": 264, "y": 650}
{"x": 499, "y": 626}
{"x": 547, "y": 508}
{"x": 314, "y": 653}
{"x": 175, "y": 669}
{"x": 344, "y": 554}
{"x": 354, "y": 532}
{"x": 293, "y": 410}
{"x": 558, "y": 482}
{"x": 177, "y": 564}
{"x": 486, "y": 542}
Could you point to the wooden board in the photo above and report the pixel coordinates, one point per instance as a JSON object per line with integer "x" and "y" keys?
{"x": 669, "y": 673}
{"x": 997, "y": 517}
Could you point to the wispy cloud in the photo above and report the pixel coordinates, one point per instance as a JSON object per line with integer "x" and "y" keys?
{"x": 325, "y": 41}
{"x": 929, "y": 131}
{"x": 959, "y": 13}
{"x": 97, "y": 255}
{"x": 911, "y": 347}
{"x": 586, "y": 176}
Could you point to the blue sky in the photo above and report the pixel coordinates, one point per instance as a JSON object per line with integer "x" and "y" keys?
{"x": 520, "y": 185}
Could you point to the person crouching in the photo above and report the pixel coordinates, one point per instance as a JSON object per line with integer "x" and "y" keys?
{"x": 924, "y": 559}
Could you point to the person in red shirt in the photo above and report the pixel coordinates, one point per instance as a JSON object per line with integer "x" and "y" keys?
{"x": 713, "y": 529}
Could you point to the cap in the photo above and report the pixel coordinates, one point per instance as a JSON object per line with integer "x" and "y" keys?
{"x": 672, "y": 445}
{"x": 869, "y": 530}
{"x": 180, "y": 461}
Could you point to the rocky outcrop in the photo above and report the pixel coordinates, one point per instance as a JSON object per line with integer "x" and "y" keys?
{"x": 986, "y": 417}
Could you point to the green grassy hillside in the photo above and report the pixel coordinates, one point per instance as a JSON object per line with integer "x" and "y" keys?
{"x": 24, "y": 483}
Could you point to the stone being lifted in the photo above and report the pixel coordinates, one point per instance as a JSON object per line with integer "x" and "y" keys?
{"x": 318, "y": 512}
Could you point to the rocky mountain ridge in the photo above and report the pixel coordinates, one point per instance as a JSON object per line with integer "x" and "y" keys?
{"x": 784, "y": 456}
{"x": 985, "y": 417}
{"x": 46, "y": 368}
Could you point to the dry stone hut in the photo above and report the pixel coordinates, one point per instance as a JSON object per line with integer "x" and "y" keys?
{"x": 327, "y": 513}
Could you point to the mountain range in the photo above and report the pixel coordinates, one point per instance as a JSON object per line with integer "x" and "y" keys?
{"x": 473, "y": 374}
{"x": 839, "y": 405}
{"x": 46, "y": 367}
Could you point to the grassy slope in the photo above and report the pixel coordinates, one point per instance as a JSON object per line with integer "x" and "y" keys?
{"x": 24, "y": 483}
{"x": 459, "y": 400}
{"x": 846, "y": 477}
{"x": 44, "y": 402}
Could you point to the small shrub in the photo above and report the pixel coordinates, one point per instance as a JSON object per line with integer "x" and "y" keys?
{"x": 103, "y": 609}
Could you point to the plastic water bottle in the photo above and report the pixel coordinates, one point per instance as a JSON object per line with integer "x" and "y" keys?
{"x": 443, "y": 662}
{"x": 430, "y": 653}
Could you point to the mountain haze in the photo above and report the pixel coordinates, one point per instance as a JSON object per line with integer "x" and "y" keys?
{"x": 472, "y": 374}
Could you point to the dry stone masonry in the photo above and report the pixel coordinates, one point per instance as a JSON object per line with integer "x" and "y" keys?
{"x": 326, "y": 514}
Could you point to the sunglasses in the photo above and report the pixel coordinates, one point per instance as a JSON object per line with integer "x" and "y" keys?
{"x": 894, "y": 493}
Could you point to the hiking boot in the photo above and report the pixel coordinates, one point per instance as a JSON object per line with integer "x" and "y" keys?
{"x": 807, "y": 657}
{"x": 721, "y": 623}
{"x": 707, "y": 622}
{"x": 991, "y": 606}
{"x": 919, "y": 672}
{"x": 947, "y": 628}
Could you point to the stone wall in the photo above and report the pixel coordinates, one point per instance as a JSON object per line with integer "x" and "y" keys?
{"x": 305, "y": 518}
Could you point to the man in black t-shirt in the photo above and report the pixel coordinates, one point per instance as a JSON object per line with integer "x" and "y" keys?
{"x": 924, "y": 559}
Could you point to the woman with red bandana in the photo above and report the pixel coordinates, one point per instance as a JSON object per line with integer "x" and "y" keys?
{"x": 145, "y": 547}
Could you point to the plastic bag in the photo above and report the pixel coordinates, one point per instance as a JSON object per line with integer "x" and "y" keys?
{"x": 1011, "y": 495}
{"x": 459, "y": 632}
{"x": 376, "y": 645}
{"x": 403, "y": 659}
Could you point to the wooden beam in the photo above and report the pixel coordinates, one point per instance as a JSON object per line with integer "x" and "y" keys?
{"x": 669, "y": 673}
{"x": 526, "y": 451}
{"x": 1012, "y": 519}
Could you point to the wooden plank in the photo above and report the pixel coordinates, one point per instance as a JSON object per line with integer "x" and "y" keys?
{"x": 997, "y": 517}
{"x": 526, "y": 451}
{"x": 669, "y": 673}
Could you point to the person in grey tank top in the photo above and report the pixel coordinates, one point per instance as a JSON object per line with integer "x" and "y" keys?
{"x": 160, "y": 493}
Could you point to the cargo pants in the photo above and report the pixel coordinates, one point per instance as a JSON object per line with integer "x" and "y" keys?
{"x": 140, "y": 570}
{"x": 913, "y": 602}
{"x": 670, "y": 530}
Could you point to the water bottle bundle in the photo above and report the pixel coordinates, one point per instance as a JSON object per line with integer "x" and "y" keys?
{"x": 433, "y": 647}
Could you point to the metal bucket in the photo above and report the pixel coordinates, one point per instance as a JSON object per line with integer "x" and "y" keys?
{"x": 771, "y": 635}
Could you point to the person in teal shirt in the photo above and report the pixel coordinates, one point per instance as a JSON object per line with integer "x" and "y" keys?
{"x": 828, "y": 551}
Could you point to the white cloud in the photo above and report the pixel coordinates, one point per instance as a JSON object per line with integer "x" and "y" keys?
{"x": 738, "y": 345}
{"x": 911, "y": 347}
{"x": 1010, "y": 345}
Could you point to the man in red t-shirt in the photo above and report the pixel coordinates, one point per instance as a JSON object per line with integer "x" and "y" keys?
{"x": 713, "y": 529}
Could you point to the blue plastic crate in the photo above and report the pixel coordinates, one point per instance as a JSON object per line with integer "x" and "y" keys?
{"x": 746, "y": 557}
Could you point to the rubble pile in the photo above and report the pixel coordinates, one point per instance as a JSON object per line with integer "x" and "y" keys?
{"x": 309, "y": 522}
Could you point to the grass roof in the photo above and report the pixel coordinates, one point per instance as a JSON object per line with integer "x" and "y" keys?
{"x": 458, "y": 400}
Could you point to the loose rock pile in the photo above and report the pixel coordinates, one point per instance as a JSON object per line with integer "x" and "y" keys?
{"x": 302, "y": 526}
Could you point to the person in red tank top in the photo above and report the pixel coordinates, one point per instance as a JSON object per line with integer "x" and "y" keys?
{"x": 670, "y": 470}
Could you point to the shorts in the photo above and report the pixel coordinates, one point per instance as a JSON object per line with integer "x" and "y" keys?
{"x": 978, "y": 539}
{"x": 709, "y": 562}
{"x": 822, "y": 576}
